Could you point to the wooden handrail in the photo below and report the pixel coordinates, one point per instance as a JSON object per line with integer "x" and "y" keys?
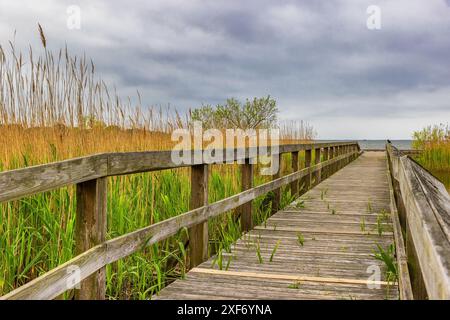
{"x": 424, "y": 211}
{"x": 96, "y": 253}
{"x": 15, "y": 184}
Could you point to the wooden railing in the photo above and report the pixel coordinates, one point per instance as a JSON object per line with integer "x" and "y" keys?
{"x": 424, "y": 219}
{"x": 89, "y": 174}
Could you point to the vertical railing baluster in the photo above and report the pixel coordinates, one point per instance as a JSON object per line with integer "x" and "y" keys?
{"x": 307, "y": 179}
{"x": 325, "y": 158}
{"x": 245, "y": 210}
{"x": 294, "y": 164}
{"x": 318, "y": 173}
{"x": 276, "y": 201}
{"x": 198, "y": 234}
{"x": 90, "y": 230}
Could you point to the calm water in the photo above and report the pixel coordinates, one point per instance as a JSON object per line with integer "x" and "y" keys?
{"x": 380, "y": 144}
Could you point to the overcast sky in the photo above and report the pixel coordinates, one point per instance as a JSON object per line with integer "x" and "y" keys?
{"x": 317, "y": 58}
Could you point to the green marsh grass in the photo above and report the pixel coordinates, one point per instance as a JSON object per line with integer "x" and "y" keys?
{"x": 434, "y": 141}
{"x": 53, "y": 106}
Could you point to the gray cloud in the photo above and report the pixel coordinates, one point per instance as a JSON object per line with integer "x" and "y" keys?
{"x": 317, "y": 58}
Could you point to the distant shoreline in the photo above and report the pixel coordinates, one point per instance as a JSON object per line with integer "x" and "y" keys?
{"x": 379, "y": 144}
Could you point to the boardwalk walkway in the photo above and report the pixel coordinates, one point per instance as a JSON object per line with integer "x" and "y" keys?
{"x": 326, "y": 243}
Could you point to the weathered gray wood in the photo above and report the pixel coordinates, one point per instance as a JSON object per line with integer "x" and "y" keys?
{"x": 276, "y": 201}
{"x": 430, "y": 240}
{"x": 317, "y": 156}
{"x": 332, "y": 262}
{"x": 245, "y": 211}
{"x": 427, "y": 205}
{"x": 307, "y": 179}
{"x": 18, "y": 183}
{"x": 66, "y": 276}
{"x": 198, "y": 234}
{"x": 405, "y": 288}
{"x": 294, "y": 164}
{"x": 55, "y": 282}
{"x": 325, "y": 157}
{"x": 336, "y": 154}
{"x": 331, "y": 155}
{"x": 90, "y": 230}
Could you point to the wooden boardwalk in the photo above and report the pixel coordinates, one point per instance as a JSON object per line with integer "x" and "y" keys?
{"x": 326, "y": 243}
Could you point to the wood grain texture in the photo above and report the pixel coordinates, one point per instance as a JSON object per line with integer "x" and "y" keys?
{"x": 90, "y": 230}
{"x": 18, "y": 183}
{"x": 276, "y": 200}
{"x": 317, "y": 159}
{"x": 245, "y": 211}
{"x": 306, "y": 182}
{"x": 60, "y": 279}
{"x": 295, "y": 167}
{"x": 198, "y": 234}
{"x": 427, "y": 205}
{"x": 405, "y": 288}
{"x": 15, "y": 184}
{"x": 319, "y": 254}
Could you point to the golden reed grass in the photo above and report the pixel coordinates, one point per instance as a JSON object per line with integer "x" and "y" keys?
{"x": 53, "y": 106}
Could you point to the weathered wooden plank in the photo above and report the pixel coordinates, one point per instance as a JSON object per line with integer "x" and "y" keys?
{"x": 245, "y": 211}
{"x": 306, "y": 289}
{"x": 404, "y": 279}
{"x": 317, "y": 158}
{"x": 294, "y": 165}
{"x": 276, "y": 201}
{"x": 287, "y": 277}
{"x": 307, "y": 179}
{"x": 90, "y": 230}
{"x": 330, "y": 248}
{"x": 64, "y": 277}
{"x": 55, "y": 281}
{"x": 325, "y": 157}
{"x": 424, "y": 207}
{"x": 430, "y": 241}
{"x": 18, "y": 183}
{"x": 198, "y": 234}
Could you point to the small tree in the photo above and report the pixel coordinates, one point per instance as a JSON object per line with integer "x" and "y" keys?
{"x": 253, "y": 114}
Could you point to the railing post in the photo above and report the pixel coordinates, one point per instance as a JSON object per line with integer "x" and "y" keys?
{"x": 317, "y": 176}
{"x": 90, "y": 230}
{"x": 339, "y": 153}
{"x": 345, "y": 162}
{"x": 325, "y": 158}
{"x": 334, "y": 165}
{"x": 307, "y": 178}
{"x": 294, "y": 184}
{"x": 246, "y": 183}
{"x": 331, "y": 156}
{"x": 198, "y": 234}
{"x": 276, "y": 201}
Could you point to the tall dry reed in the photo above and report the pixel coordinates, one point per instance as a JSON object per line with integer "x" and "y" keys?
{"x": 54, "y": 106}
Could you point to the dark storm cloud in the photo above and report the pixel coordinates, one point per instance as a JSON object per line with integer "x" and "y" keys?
{"x": 317, "y": 58}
